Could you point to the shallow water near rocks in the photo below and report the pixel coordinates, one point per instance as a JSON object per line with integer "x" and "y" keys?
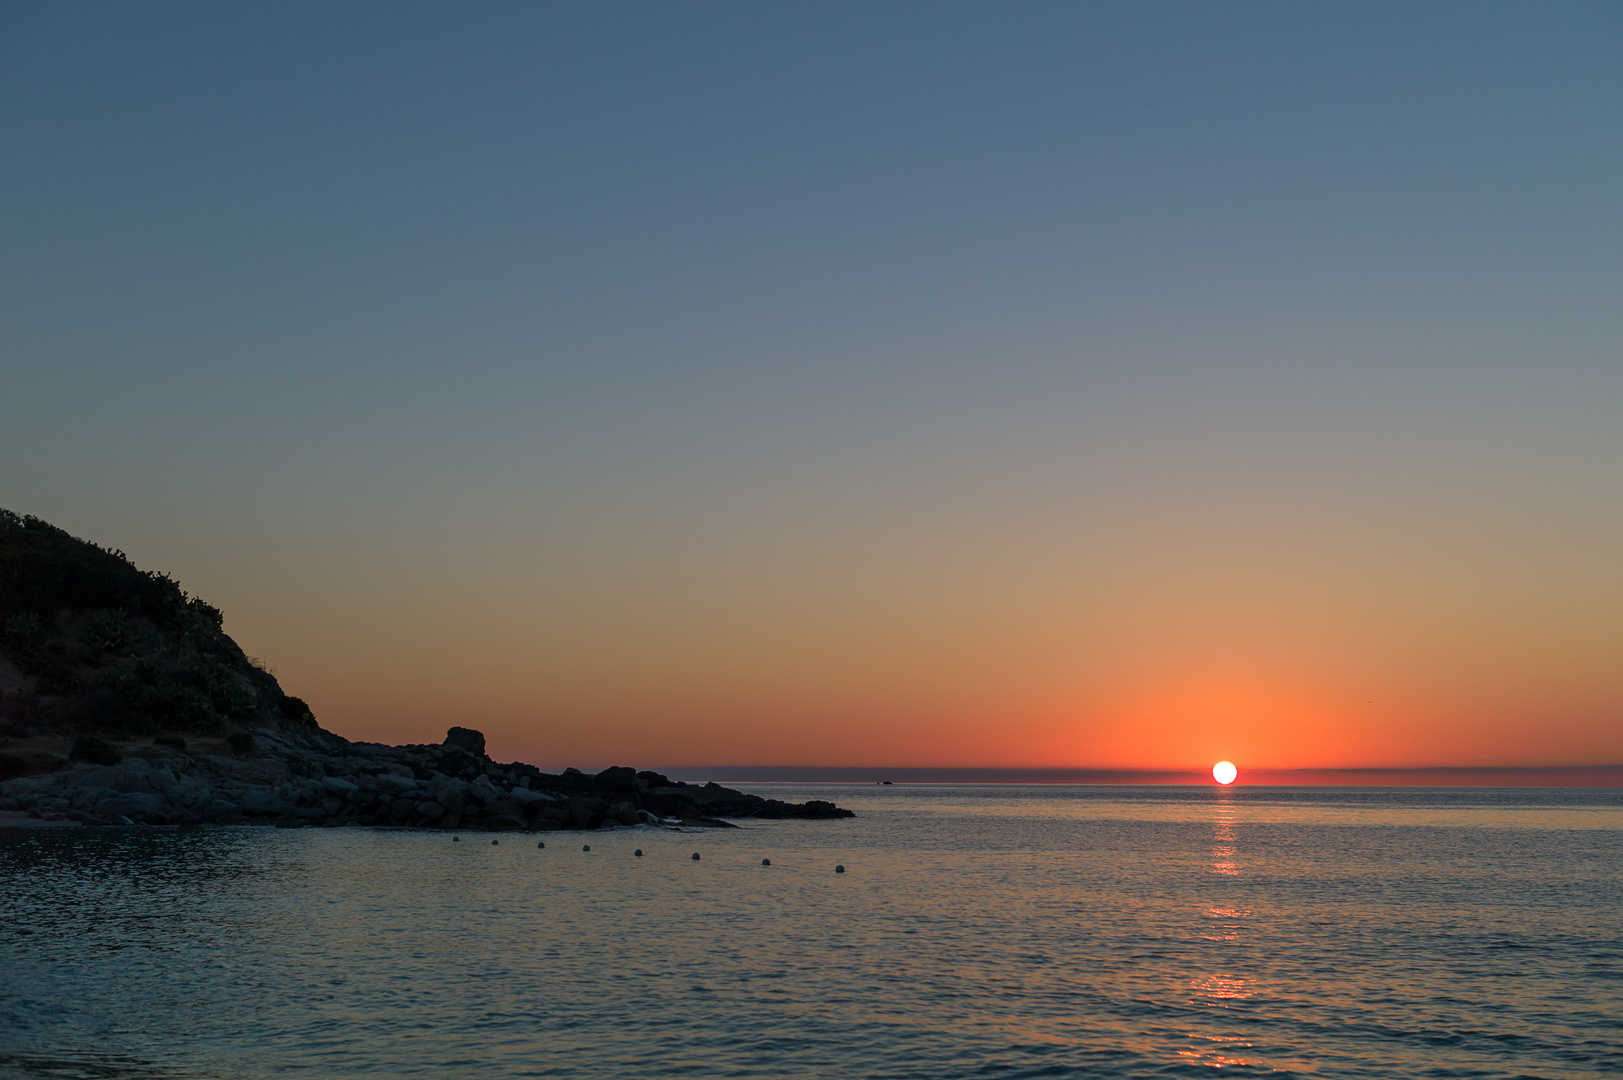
{"x": 978, "y": 931}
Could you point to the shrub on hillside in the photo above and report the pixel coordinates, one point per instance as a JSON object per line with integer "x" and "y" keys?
{"x": 295, "y": 709}
{"x": 90, "y": 749}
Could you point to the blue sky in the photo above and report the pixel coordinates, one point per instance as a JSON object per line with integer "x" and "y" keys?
{"x": 645, "y": 323}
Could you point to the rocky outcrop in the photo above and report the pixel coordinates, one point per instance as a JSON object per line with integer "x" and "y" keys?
{"x": 123, "y": 701}
{"x": 297, "y": 777}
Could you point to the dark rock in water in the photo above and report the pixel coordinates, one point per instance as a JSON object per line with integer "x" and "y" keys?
{"x": 586, "y": 812}
{"x": 461, "y": 738}
{"x": 623, "y": 812}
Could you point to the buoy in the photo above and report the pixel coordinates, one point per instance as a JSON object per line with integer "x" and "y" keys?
{"x": 541, "y": 844}
{"x": 638, "y": 853}
{"x": 586, "y": 847}
{"x": 456, "y": 839}
{"x": 695, "y": 856}
{"x": 766, "y": 862}
{"x": 493, "y": 843}
{"x": 839, "y": 869}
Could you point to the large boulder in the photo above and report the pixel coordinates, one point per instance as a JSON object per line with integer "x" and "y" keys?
{"x": 86, "y": 798}
{"x": 140, "y": 806}
{"x": 485, "y": 791}
{"x": 466, "y": 739}
{"x": 586, "y": 812}
{"x": 393, "y": 784}
{"x": 260, "y": 801}
{"x": 617, "y": 778}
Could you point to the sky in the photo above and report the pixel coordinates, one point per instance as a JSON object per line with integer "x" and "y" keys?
{"x": 1118, "y": 385}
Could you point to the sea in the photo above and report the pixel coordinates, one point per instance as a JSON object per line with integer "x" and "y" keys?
{"x": 976, "y": 931}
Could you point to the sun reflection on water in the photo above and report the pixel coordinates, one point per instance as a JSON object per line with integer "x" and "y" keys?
{"x": 1224, "y": 858}
{"x": 1219, "y": 986}
{"x": 1220, "y": 1050}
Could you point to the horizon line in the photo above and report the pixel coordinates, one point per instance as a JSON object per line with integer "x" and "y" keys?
{"x": 1358, "y": 776}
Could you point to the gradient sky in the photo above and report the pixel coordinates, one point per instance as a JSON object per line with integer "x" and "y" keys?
{"x": 1107, "y": 385}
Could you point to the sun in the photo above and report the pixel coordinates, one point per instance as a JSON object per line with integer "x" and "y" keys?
{"x": 1224, "y": 772}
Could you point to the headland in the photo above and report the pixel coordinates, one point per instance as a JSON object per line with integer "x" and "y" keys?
{"x": 124, "y": 702}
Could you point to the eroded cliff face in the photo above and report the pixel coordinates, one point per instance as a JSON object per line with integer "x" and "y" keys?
{"x": 313, "y": 778}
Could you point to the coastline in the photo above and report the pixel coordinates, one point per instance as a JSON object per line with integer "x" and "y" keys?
{"x": 301, "y": 776}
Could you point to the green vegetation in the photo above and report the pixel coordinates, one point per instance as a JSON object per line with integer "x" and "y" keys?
{"x": 115, "y": 650}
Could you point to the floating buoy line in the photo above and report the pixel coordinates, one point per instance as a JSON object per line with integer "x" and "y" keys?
{"x": 839, "y": 868}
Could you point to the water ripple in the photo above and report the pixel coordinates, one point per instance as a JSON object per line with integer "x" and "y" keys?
{"x": 978, "y": 933}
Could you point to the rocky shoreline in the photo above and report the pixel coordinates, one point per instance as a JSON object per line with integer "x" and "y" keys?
{"x": 293, "y": 777}
{"x": 124, "y": 702}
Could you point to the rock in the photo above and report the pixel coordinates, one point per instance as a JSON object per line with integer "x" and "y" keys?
{"x": 187, "y": 793}
{"x": 393, "y": 784}
{"x": 259, "y": 801}
{"x": 316, "y": 779}
{"x": 617, "y": 778}
{"x": 30, "y": 785}
{"x": 485, "y": 791}
{"x": 467, "y": 739}
{"x": 85, "y": 798}
{"x": 449, "y": 792}
{"x": 138, "y": 806}
{"x": 586, "y": 812}
{"x": 506, "y": 807}
{"x": 221, "y": 812}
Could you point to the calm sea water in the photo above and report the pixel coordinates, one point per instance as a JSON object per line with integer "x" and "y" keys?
{"x": 978, "y": 932}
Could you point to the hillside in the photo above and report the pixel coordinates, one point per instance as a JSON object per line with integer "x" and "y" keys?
{"x": 92, "y": 648}
{"x": 124, "y": 702}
